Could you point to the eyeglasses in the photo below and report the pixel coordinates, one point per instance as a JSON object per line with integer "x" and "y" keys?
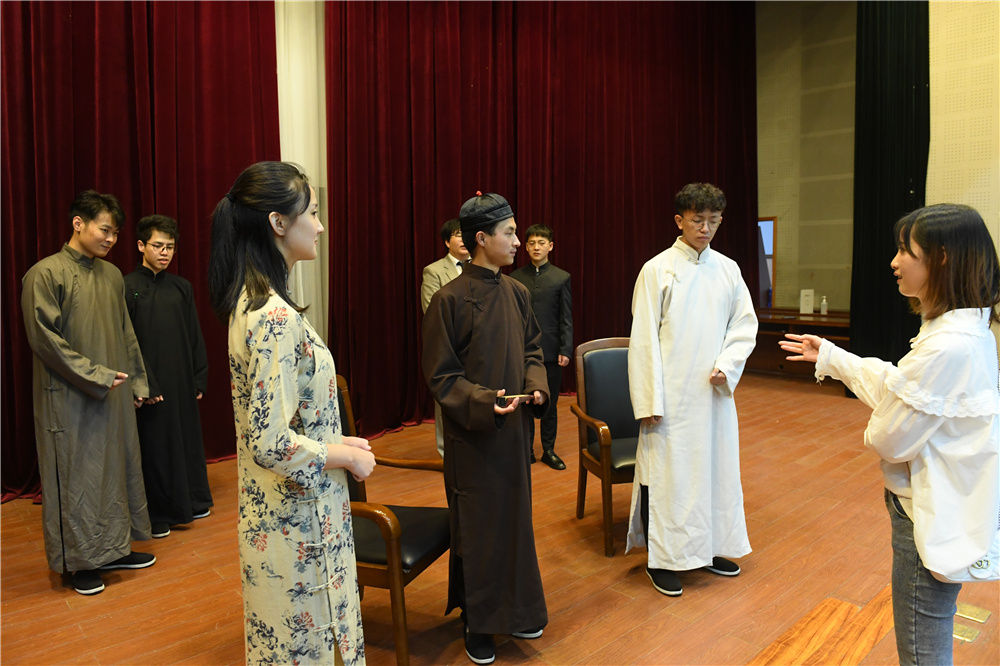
{"x": 160, "y": 247}
{"x": 712, "y": 222}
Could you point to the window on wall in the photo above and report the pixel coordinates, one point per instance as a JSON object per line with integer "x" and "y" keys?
{"x": 765, "y": 259}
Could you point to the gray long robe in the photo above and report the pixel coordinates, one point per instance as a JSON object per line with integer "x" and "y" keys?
{"x": 480, "y": 336}
{"x": 94, "y": 501}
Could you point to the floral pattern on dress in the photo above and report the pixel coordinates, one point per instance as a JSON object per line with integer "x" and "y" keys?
{"x": 300, "y": 588}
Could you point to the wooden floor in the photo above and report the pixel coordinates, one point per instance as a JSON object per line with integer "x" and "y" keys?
{"x": 820, "y": 566}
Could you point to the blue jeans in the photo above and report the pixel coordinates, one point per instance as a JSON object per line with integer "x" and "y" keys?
{"x": 923, "y": 608}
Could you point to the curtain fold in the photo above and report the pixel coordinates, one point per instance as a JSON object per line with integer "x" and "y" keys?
{"x": 892, "y": 138}
{"x": 159, "y": 103}
{"x": 587, "y": 116}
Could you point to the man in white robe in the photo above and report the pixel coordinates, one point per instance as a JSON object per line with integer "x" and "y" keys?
{"x": 693, "y": 327}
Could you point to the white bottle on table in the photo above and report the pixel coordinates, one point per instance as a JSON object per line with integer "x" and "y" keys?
{"x": 823, "y": 306}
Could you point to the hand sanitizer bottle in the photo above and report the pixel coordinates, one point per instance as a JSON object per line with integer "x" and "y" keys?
{"x": 823, "y": 306}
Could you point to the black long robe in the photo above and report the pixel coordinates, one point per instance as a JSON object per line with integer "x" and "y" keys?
{"x": 479, "y": 336}
{"x": 165, "y": 320}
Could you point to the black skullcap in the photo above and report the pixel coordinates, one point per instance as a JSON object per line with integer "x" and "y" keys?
{"x": 484, "y": 210}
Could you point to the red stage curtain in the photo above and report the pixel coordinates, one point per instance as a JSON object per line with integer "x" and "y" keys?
{"x": 159, "y": 103}
{"x": 587, "y": 116}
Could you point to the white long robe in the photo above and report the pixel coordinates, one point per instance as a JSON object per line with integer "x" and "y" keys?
{"x": 690, "y": 314}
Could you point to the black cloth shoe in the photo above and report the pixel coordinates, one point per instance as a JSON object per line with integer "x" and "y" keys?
{"x": 552, "y": 460}
{"x": 479, "y": 647}
{"x": 160, "y": 530}
{"x": 723, "y": 567}
{"x": 202, "y": 514}
{"x": 133, "y": 560}
{"x": 665, "y": 582}
{"x": 87, "y": 581}
{"x": 529, "y": 633}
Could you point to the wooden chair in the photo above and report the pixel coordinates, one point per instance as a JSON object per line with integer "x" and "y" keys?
{"x": 393, "y": 544}
{"x": 608, "y": 431}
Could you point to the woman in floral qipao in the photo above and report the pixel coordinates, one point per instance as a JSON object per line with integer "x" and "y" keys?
{"x": 300, "y": 590}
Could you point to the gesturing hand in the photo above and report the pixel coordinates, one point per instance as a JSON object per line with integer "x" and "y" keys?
{"x": 803, "y": 347}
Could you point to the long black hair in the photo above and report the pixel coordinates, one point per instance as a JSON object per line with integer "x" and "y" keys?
{"x": 244, "y": 253}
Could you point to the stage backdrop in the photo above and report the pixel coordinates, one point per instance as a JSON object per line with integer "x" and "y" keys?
{"x": 159, "y": 103}
{"x": 587, "y": 116}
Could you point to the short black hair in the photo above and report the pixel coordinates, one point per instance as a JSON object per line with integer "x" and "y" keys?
{"x": 538, "y": 230}
{"x": 165, "y": 225}
{"x": 91, "y": 203}
{"x": 449, "y": 228}
{"x": 469, "y": 237}
{"x": 698, "y": 197}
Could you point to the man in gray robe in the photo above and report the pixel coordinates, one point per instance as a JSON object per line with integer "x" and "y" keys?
{"x": 88, "y": 379}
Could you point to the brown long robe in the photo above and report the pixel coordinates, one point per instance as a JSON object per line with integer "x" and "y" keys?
{"x": 479, "y": 336}
{"x": 94, "y": 501}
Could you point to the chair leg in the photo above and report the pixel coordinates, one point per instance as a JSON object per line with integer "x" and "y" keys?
{"x": 609, "y": 546}
{"x": 581, "y": 489}
{"x": 398, "y": 603}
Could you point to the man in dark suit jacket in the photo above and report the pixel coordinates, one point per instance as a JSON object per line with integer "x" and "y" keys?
{"x": 552, "y": 303}
{"x": 435, "y": 276}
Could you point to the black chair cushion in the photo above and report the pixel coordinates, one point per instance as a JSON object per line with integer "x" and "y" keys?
{"x": 622, "y": 452}
{"x": 425, "y": 530}
{"x": 605, "y": 374}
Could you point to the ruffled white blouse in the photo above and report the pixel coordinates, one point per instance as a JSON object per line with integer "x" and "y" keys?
{"x": 935, "y": 425}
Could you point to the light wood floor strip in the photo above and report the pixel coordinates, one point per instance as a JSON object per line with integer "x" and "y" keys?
{"x": 807, "y": 635}
{"x": 861, "y": 633}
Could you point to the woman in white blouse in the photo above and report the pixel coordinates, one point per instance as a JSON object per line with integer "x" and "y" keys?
{"x": 935, "y": 422}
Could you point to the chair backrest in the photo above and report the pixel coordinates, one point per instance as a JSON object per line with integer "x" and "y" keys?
{"x": 602, "y": 385}
{"x": 349, "y": 427}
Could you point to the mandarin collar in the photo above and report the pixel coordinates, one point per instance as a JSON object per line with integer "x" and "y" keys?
{"x": 78, "y": 257}
{"x": 144, "y": 270}
{"x": 479, "y": 273}
{"x": 540, "y": 269}
{"x": 689, "y": 252}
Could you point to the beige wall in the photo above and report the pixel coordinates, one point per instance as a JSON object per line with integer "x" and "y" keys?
{"x": 805, "y": 144}
{"x": 964, "y": 161}
{"x": 302, "y": 128}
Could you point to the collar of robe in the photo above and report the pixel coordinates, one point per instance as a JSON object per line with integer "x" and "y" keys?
{"x": 144, "y": 270}
{"x": 689, "y": 252}
{"x": 82, "y": 259}
{"x": 479, "y": 273}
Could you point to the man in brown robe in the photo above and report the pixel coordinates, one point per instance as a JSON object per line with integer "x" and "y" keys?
{"x": 480, "y": 343}
{"x": 88, "y": 379}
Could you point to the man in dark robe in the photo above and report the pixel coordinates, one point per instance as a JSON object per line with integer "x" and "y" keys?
{"x": 480, "y": 343}
{"x": 161, "y": 306}
{"x": 88, "y": 379}
{"x": 552, "y": 303}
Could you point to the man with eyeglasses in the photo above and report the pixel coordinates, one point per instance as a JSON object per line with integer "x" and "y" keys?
{"x": 693, "y": 327}
{"x": 163, "y": 314}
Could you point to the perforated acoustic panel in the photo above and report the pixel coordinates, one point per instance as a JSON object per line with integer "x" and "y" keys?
{"x": 964, "y": 160}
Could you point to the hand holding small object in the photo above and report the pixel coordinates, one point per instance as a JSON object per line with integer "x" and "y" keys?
{"x": 511, "y": 402}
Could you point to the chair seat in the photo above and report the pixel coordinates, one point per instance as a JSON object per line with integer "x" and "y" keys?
{"x": 622, "y": 452}
{"x": 425, "y": 530}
